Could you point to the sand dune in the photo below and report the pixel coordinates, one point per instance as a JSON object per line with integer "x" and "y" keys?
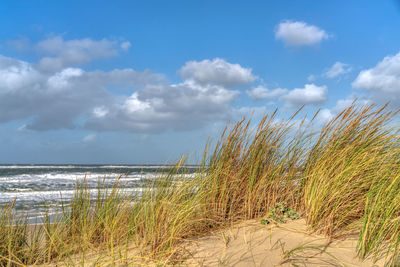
{"x": 253, "y": 244}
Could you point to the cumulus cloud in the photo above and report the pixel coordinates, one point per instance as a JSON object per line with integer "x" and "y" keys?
{"x": 145, "y": 102}
{"x": 56, "y": 100}
{"x": 89, "y": 138}
{"x": 310, "y": 94}
{"x": 262, "y": 93}
{"x": 383, "y": 78}
{"x": 186, "y": 105}
{"x": 125, "y": 45}
{"x": 327, "y": 114}
{"x": 16, "y": 74}
{"x": 59, "y": 53}
{"x": 204, "y": 95}
{"x": 298, "y": 33}
{"x": 382, "y": 81}
{"x": 216, "y": 71}
{"x": 324, "y": 116}
{"x": 337, "y": 69}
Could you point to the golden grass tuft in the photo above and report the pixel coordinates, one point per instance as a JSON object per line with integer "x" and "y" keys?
{"x": 351, "y": 153}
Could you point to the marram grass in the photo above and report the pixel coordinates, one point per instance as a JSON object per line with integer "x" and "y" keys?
{"x": 344, "y": 178}
{"x": 350, "y": 154}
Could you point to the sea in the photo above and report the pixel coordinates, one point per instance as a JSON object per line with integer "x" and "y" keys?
{"x": 40, "y": 189}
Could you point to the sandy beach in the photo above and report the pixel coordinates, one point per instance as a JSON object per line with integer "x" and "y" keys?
{"x": 252, "y": 244}
{"x": 246, "y": 244}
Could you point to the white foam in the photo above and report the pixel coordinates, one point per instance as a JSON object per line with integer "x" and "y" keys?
{"x": 89, "y": 166}
{"x": 53, "y": 195}
{"x": 31, "y": 177}
{"x": 50, "y": 184}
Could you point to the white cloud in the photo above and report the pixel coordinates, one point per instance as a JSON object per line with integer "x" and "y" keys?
{"x": 383, "y": 78}
{"x": 262, "y": 92}
{"x": 327, "y": 114}
{"x": 342, "y": 104}
{"x": 216, "y": 71}
{"x": 16, "y": 74}
{"x": 63, "y": 78}
{"x": 100, "y": 112}
{"x": 298, "y": 33}
{"x": 146, "y": 102}
{"x": 89, "y": 138}
{"x": 324, "y": 116}
{"x": 56, "y": 100}
{"x": 59, "y": 53}
{"x": 310, "y": 94}
{"x": 382, "y": 81}
{"x": 155, "y": 108}
{"x": 125, "y": 45}
{"x": 256, "y": 113}
{"x": 337, "y": 69}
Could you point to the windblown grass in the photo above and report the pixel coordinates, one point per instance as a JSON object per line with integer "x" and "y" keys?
{"x": 352, "y": 152}
{"x": 345, "y": 178}
{"x": 169, "y": 210}
{"x": 89, "y": 222}
{"x": 380, "y": 232}
{"x": 251, "y": 171}
{"x": 12, "y": 240}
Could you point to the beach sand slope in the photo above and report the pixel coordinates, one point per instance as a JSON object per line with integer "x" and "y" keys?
{"x": 252, "y": 244}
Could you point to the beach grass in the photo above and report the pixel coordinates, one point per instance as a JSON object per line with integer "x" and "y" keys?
{"x": 343, "y": 178}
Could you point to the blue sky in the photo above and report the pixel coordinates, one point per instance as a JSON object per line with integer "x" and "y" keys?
{"x": 146, "y": 81}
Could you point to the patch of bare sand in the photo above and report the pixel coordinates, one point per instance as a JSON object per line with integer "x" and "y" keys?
{"x": 246, "y": 244}
{"x": 253, "y": 244}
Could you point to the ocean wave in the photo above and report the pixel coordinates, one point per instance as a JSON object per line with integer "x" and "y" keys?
{"x": 53, "y": 195}
{"x": 32, "y": 187}
{"x": 75, "y": 176}
{"x": 79, "y": 176}
{"x": 90, "y": 166}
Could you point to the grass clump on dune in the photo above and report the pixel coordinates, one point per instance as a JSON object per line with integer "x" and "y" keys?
{"x": 12, "y": 240}
{"x": 250, "y": 171}
{"x": 380, "y": 232}
{"x": 170, "y": 209}
{"x": 345, "y": 178}
{"x": 352, "y": 152}
{"x": 89, "y": 222}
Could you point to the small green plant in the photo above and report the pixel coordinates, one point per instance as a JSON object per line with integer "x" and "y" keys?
{"x": 292, "y": 214}
{"x": 279, "y": 214}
